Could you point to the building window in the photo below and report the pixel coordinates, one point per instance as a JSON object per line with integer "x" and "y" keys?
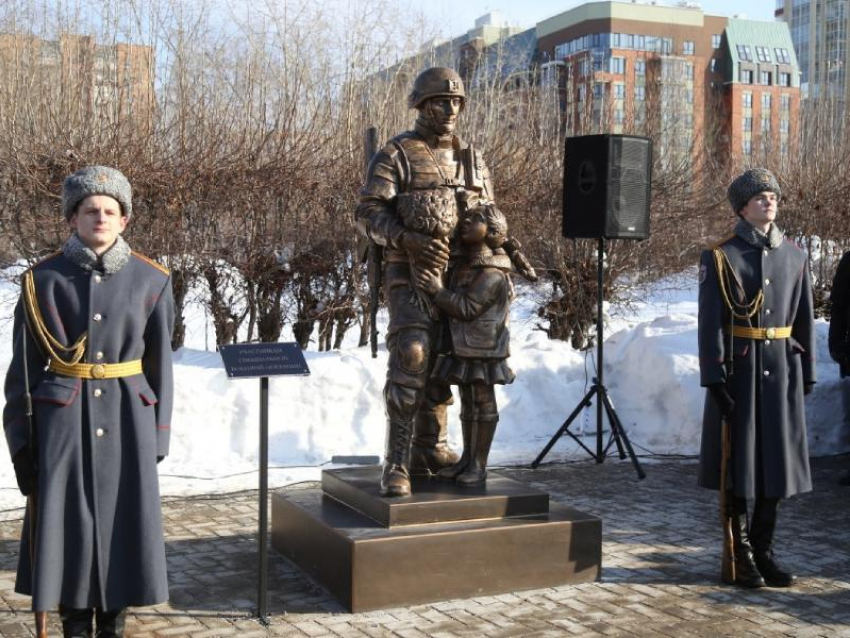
{"x": 715, "y": 41}
{"x": 765, "y": 124}
{"x": 782, "y": 56}
{"x": 640, "y": 66}
{"x": 615, "y": 40}
{"x": 619, "y": 91}
{"x": 618, "y": 65}
{"x": 764, "y": 78}
{"x": 713, "y": 66}
{"x": 785, "y": 103}
{"x": 784, "y": 79}
{"x": 598, "y": 90}
{"x": 747, "y": 124}
{"x": 689, "y": 71}
{"x": 640, "y": 93}
{"x": 747, "y": 147}
{"x": 784, "y": 125}
{"x": 765, "y": 102}
{"x": 744, "y": 53}
{"x": 630, "y": 41}
{"x": 763, "y": 54}
{"x": 619, "y": 116}
{"x": 689, "y": 96}
{"x": 581, "y": 91}
{"x": 641, "y": 42}
{"x": 747, "y": 100}
{"x": 746, "y": 76}
{"x": 688, "y": 47}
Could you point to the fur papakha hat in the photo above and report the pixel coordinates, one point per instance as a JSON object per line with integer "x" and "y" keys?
{"x": 749, "y": 184}
{"x": 96, "y": 180}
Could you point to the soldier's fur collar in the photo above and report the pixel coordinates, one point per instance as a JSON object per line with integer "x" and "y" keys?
{"x": 109, "y": 262}
{"x": 500, "y": 261}
{"x": 754, "y": 237}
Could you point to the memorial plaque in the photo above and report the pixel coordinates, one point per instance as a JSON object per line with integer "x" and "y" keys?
{"x": 247, "y": 360}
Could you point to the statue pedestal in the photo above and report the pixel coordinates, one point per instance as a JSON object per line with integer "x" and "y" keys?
{"x": 441, "y": 542}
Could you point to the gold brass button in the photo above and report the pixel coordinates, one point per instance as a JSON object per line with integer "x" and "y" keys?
{"x": 98, "y": 371}
{"x": 771, "y": 333}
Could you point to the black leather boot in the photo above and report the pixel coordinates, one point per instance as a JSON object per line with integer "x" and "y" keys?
{"x": 746, "y": 572}
{"x": 110, "y": 624}
{"x": 762, "y": 530}
{"x": 76, "y": 623}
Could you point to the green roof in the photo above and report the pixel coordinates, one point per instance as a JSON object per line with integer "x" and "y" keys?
{"x": 750, "y": 34}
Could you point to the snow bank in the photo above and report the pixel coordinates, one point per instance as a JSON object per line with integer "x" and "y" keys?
{"x": 651, "y": 370}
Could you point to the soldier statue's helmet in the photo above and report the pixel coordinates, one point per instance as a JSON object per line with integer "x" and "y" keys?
{"x": 436, "y": 82}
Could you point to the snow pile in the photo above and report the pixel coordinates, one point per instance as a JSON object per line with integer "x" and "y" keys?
{"x": 651, "y": 370}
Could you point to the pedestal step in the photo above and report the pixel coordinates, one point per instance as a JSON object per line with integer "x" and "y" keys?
{"x": 368, "y": 566}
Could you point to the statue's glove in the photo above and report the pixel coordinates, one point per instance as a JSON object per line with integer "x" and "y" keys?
{"x": 512, "y": 248}
{"x": 25, "y": 471}
{"x": 722, "y": 398}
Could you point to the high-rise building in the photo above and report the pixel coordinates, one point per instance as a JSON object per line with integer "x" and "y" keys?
{"x": 819, "y": 32}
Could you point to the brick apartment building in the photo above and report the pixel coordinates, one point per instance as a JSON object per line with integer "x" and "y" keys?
{"x": 79, "y": 78}
{"x": 675, "y": 73}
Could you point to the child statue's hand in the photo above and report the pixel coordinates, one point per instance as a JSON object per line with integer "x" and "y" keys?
{"x": 429, "y": 281}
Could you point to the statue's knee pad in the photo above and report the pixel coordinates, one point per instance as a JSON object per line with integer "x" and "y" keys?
{"x": 413, "y": 349}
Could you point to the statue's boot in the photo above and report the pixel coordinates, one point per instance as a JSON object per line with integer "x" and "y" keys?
{"x": 762, "y": 530}
{"x": 431, "y": 452}
{"x": 451, "y": 472}
{"x": 110, "y": 624}
{"x": 395, "y": 479}
{"x": 475, "y": 472}
{"x": 746, "y": 572}
{"x": 76, "y": 623}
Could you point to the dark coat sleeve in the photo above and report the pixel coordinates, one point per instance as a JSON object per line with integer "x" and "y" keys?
{"x": 471, "y": 304}
{"x": 711, "y": 316}
{"x": 15, "y": 423}
{"x": 839, "y": 344}
{"x": 803, "y": 328}
{"x": 157, "y": 364}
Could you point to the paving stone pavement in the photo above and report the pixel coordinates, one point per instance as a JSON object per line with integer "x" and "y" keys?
{"x": 661, "y": 546}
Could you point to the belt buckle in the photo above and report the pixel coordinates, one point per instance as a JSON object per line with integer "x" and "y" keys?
{"x": 98, "y": 371}
{"x": 770, "y": 333}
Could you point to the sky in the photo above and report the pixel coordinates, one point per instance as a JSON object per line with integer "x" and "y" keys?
{"x": 459, "y": 17}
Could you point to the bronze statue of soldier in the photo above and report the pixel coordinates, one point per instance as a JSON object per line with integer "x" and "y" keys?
{"x": 416, "y": 187}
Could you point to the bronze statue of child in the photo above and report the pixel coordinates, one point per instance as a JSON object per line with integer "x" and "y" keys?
{"x": 477, "y": 303}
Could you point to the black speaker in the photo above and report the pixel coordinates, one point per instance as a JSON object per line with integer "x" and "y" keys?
{"x": 607, "y": 182}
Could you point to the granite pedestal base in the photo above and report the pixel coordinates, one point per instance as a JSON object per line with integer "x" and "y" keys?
{"x": 441, "y": 542}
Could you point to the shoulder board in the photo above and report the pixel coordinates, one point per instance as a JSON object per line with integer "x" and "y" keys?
{"x": 45, "y": 260}
{"x": 151, "y": 262}
{"x": 718, "y": 244}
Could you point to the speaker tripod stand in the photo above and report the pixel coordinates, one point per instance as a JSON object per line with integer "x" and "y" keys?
{"x": 603, "y": 401}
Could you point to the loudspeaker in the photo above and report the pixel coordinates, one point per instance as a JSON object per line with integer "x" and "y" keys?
{"x": 607, "y": 182}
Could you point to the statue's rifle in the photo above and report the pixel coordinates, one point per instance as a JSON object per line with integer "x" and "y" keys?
{"x": 375, "y": 255}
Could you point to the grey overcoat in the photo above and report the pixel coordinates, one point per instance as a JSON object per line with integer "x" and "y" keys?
{"x": 768, "y": 425}
{"x": 99, "y": 539}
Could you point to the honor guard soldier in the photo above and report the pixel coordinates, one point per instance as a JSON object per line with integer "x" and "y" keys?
{"x": 756, "y": 355}
{"x": 839, "y": 338}
{"x": 92, "y": 347}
